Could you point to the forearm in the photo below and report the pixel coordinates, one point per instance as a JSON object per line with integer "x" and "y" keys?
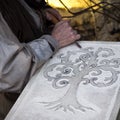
{"x": 44, "y": 47}
{"x": 18, "y": 62}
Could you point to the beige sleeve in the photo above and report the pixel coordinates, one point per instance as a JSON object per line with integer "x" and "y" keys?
{"x": 18, "y": 62}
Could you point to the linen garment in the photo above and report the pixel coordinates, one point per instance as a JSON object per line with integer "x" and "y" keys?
{"x": 21, "y": 56}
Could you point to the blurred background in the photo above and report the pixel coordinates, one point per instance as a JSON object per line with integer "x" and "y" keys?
{"x": 93, "y": 19}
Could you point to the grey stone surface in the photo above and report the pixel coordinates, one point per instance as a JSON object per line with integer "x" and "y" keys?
{"x": 76, "y": 84}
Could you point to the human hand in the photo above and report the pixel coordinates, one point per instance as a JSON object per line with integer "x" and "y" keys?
{"x": 52, "y": 15}
{"x": 64, "y": 33}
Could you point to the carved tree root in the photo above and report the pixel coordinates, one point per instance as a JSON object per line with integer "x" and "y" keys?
{"x": 66, "y": 105}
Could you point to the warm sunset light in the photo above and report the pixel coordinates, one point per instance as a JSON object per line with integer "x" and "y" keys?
{"x": 71, "y": 3}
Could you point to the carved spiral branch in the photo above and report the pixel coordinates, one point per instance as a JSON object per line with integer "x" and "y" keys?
{"x": 108, "y": 80}
{"x": 60, "y": 83}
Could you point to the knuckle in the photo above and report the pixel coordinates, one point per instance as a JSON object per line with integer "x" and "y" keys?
{"x": 73, "y": 37}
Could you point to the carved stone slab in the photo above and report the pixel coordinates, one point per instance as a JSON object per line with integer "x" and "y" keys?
{"x": 76, "y": 84}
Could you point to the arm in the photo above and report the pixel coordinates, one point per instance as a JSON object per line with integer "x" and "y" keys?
{"x": 18, "y": 62}
{"x": 51, "y": 13}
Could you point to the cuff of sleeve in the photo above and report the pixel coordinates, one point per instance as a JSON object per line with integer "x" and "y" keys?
{"x": 53, "y": 43}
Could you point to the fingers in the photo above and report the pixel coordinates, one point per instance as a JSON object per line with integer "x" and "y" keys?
{"x": 62, "y": 23}
{"x": 69, "y": 40}
{"x": 64, "y": 33}
{"x": 75, "y": 35}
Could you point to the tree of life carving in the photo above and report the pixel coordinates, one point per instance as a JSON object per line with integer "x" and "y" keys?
{"x": 83, "y": 66}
